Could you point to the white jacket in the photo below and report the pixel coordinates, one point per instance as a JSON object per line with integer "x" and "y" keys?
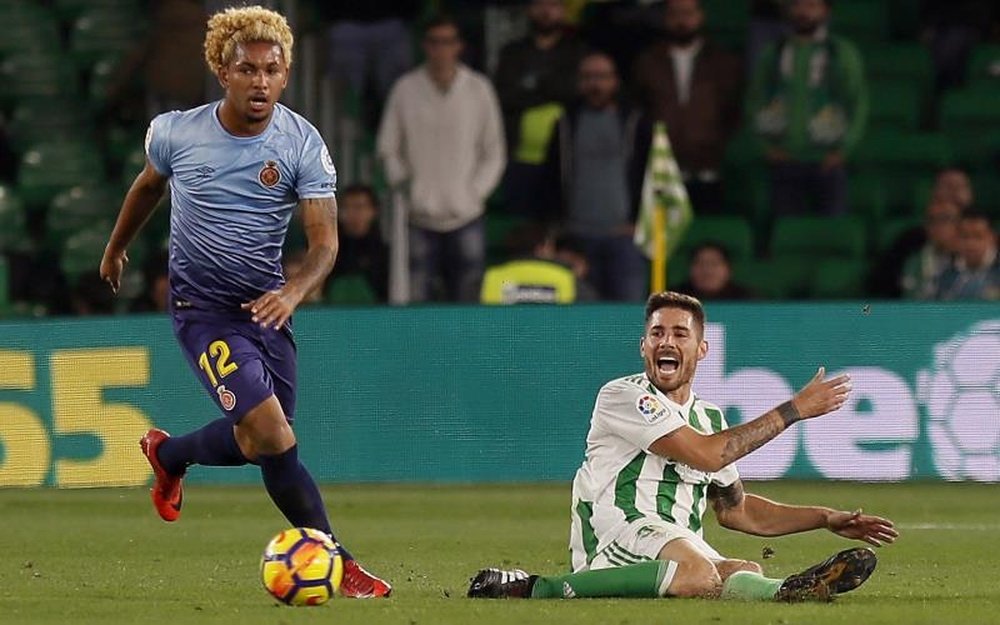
{"x": 447, "y": 145}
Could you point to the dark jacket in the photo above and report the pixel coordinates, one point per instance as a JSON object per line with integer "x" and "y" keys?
{"x": 700, "y": 128}
{"x": 559, "y": 168}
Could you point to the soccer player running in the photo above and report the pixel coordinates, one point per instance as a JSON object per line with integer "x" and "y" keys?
{"x": 236, "y": 169}
{"x": 657, "y": 455}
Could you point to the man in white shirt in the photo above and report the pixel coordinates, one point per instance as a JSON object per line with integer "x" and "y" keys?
{"x": 657, "y": 455}
{"x": 442, "y": 139}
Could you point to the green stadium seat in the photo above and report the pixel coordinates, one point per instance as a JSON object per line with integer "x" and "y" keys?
{"x": 838, "y": 279}
{"x": 890, "y": 230}
{"x": 36, "y": 74}
{"x": 777, "y": 278}
{"x": 895, "y": 105}
{"x": 818, "y": 238}
{"x": 866, "y": 197}
{"x": 28, "y": 27}
{"x": 734, "y": 233}
{"x": 350, "y": 291}
{"x": 99, "y": 80}
{"x": 984, "y": 66}
{"x": 900, "y": 158}
{"x": 69, "y": 10}
{"x": 82, "y": 252}
{"x": 48, "y": 168}
{"x": 14, "y": 236}
{"x": 726, "y": 21}
{"x": 861, "y": 20}
{"x": 49, "y": 119}
{"x": 135, "y": 161}
{"x": 101, "y": 31}
{"x": 78, "y": 208}
{"x": 908, "y": 62}
{"x": 971, "y": 119}
{"x": 498, "y": 228}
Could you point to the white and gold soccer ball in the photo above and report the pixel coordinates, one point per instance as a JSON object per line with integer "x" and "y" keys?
{"x": 302, "y": 566}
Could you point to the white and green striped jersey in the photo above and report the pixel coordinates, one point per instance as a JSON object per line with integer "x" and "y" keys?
{"x": 621, "y": 481}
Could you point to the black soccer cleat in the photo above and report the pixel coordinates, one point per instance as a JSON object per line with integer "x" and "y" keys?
{"x": 498, "y": 584}
{"x": 838, "y": 574}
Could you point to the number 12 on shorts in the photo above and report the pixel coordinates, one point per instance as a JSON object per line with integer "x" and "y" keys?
{"x": 219, "y": 352}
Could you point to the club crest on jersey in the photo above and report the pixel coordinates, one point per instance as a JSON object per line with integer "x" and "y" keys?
{"x": 269, "y": 174}
{"x": 226, "y": 397}
{"x": 650, "y": 408}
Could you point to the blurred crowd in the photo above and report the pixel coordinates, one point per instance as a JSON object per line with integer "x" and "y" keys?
{"x": 522, "y": 171}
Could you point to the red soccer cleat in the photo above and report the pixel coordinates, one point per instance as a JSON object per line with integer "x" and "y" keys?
{"x": 360, "y": 584}
{"x": 167, "y": 492}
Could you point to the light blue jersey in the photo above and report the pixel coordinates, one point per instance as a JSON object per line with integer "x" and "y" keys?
{"x": 232, "y": 199}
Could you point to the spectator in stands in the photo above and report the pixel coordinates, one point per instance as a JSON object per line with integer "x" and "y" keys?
{"x": 710, "y": 275}
{"x": 535, "y": 80}
{"x": 808, "y": 103}
{"x": 767, "y": 25}
{"x": 922, "y": 270}
{"x": 952, "y": 29}
{"x": 594, "y": 172}
{"x": 571, "y": 253}
{"x": 370, "y": 46}
{"x": 534, "y": 275}
{"x": 975, "y": 272}
{"x": 165, "y": 58}
{"x": 953, "y": 185}
{"x": 362, "y": 250}
{"x": 442, "y": 137}
{"x": 694, "y": 86}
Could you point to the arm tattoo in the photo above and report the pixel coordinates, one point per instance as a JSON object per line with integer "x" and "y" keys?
{"x": 788, "y": 413}
{"x": 725, "y": 497}
{"x": 745, "y": 438}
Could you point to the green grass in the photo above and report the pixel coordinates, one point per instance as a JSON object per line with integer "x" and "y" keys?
{"x": 101, "y": 556}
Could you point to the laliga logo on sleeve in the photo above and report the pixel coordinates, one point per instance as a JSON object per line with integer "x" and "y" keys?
{"x": 327, "y": 162}
{"x": 269, "y": 174}
{"x": 226, "y": 397}
{"x": 650, "y": 408}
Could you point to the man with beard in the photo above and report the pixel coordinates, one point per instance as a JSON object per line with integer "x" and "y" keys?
{"x": 808, "y": 103}
{"x": 657, "y": 455}
{"x": 535, "y": 80}
{"x": 594, "y": 171}
{"x": 695, "y": 87}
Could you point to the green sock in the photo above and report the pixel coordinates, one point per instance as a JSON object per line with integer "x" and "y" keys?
{"x": 750, "y": 586}
{"x": 635, "y": 580}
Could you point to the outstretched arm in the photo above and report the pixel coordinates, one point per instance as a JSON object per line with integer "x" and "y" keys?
{"x": 139, "y": 204}
{"x": 319, "y": 218}
{"x": 760, "y": 516}
{"x": 713, "y": 452}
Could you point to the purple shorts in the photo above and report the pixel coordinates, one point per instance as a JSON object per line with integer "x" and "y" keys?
{"x": 239, "y": 363}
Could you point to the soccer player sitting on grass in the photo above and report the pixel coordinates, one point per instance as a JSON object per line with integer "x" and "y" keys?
{"x": 657, "y": 455}
{"x": 237, "y": 168}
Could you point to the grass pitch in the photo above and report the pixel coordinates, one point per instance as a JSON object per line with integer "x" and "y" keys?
{"x": 102, "y": 556}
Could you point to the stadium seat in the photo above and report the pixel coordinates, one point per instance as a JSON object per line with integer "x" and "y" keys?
{"x": 28, "y": 27}
{"x": 908, "y": 62}
{"x": 498, "y": 228}
{"x": 48, "y": 168}
{"x": 817, "y": 238}
{"x": 890, "y": 230}
{"x": 732, "y": 232}
{"x": 775, "y": 279}
{"x": 726, "y": 21}
{"x": 69, "y": 10}
{"x": 866, "y": 197}
{"x": 49, "y": 119}
{"x": 838, "y": 279}
{"x": 984, "y": 66}
{"x": 36, "y": 74}
{"x": 899, "y": 158}
{"x": 78, "y": 208}
{"x": 861, "y": 20}
{"x": 102, "y": 31}
{"x": 350, "y": 291}
{"x": 4, "y": 288}
{"x": 895, "y": 105}
{"x": 135, "y": 161}
{"x": 99, "y": 79}
{"x": 82, "y": 252}
{"x": 971, "y": 119}
{"x": 14, "y": 235}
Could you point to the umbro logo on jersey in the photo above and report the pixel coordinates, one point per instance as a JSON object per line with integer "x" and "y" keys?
{"x": 269, "y": 174}
{"x": 651, "y": 409}
{"x": 205, "y": 171}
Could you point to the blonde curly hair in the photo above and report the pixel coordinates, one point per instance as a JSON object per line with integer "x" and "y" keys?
{"x": 242, "y": 25}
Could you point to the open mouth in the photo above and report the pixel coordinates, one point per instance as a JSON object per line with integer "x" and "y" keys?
{"x": 667, "y": 365}
{"x": 258, "y": 103}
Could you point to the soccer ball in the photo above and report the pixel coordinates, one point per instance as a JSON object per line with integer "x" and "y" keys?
{"x": 302, "y": 566}
{"x": 962, "y": 395}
